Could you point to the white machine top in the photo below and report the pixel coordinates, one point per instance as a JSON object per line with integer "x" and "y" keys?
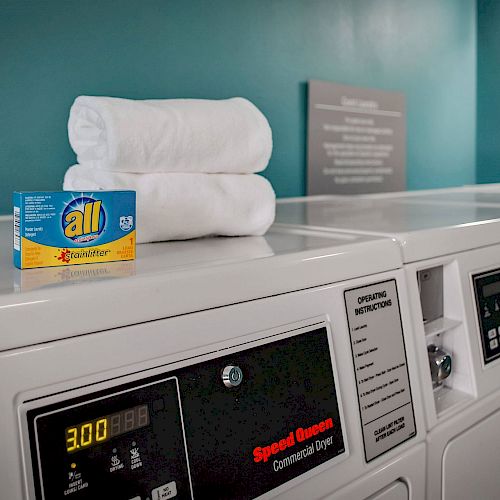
{"x": 424, "y": 228}
{"x": 482, "y": 194}
{"x": 169, "y": 279}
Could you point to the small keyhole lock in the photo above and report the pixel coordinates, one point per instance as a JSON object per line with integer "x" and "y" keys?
{"x": 232, "y": 376}
{"x": 440, "y": 363}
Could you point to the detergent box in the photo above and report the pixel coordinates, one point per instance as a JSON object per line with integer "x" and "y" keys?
{"x": 62, "y": 228}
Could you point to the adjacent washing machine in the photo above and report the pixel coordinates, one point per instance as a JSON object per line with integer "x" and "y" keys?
{"x": 450, "y": 244}
{"x": 281, "y": 366}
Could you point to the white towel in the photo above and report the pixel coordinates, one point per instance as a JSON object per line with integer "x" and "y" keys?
{"x": 182, "y": 206}
{"x": 170, "y": 135}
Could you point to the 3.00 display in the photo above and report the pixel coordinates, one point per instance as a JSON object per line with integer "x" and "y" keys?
{"x": 102, "y": 429}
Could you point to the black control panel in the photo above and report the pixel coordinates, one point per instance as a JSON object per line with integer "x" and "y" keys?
{"x": 126, "y": 445}
{"x": 233, "y": 427}
{"x": 487, "y": 290}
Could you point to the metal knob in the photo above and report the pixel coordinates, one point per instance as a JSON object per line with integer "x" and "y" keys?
{"x": 440, "y": 364}
{"x": 232, "y": 376}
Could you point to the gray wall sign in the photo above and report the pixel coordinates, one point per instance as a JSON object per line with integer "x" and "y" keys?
{"x": 356, "y": 140}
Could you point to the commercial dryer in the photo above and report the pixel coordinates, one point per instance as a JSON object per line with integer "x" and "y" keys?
{"x": 281, "y": 366}
{"x": 451, "y": 250}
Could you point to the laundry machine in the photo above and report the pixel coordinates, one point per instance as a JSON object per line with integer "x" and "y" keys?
{"x": 274, "y": 367}
{"x": 450, "y": 245}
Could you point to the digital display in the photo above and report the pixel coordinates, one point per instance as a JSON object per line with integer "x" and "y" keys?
{"x": 491, "y": 289}
{"x": 102, "y": 429}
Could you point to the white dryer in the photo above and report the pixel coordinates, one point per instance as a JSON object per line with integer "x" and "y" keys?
{"x": 450, "y": 244}
{"x": 281, "y": 366}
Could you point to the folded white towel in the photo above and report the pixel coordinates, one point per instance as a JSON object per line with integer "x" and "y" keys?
{"x": 182, "y": 206}
{"x": 170, "y": 135}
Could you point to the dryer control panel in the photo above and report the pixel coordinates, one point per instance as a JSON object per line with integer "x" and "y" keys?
{"x": 236, "y": 426}
{"x": 487, "y": 290}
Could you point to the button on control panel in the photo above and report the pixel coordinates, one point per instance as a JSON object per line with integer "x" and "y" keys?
{"x": 164, "y": 492}
{"x": 232, "y": 376}
{"x": 487, "y": 295}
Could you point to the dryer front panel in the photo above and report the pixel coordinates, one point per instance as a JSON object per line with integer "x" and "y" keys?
{"x": 235, "y": 426}
{"x": 261, "y": 399}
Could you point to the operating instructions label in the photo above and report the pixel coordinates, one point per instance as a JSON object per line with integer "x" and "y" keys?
{"x": 381, "y": 370}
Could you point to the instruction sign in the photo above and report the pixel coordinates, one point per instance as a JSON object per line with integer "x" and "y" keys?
{"x": 356, "y": 140}
{"x": 382, "y": 380}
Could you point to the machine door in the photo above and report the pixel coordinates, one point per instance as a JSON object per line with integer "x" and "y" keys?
{"x": 470, "y": 462}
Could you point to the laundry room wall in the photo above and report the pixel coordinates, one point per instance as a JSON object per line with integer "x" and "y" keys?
{"x": 488, "y": 87}
{"x": 265, "y": 50}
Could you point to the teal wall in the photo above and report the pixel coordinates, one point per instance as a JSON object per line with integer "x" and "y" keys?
{"x": 488, "y": 86}
{"x": 51, "y": 51}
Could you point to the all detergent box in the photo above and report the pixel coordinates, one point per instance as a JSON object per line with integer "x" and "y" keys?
{"x": 72, "y": 227}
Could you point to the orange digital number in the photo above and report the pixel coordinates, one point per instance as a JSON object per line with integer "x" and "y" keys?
{"x": 71, "y": 439}
{"x": 86, "y": 435}
{"x": 101, "y": 429}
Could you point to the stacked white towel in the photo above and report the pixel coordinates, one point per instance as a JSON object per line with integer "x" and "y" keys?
{"x": 192, "y": 163}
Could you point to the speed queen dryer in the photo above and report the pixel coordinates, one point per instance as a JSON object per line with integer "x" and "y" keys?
{"x": 280, "y": 366}
{"x": 451, "y": 250}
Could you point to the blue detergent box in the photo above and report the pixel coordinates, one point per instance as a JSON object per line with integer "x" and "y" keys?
{"x": 62, "y": 228}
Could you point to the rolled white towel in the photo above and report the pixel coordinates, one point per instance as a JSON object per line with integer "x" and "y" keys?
{"x": 170, "y": 135}
{"x": 182, "y": 206}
